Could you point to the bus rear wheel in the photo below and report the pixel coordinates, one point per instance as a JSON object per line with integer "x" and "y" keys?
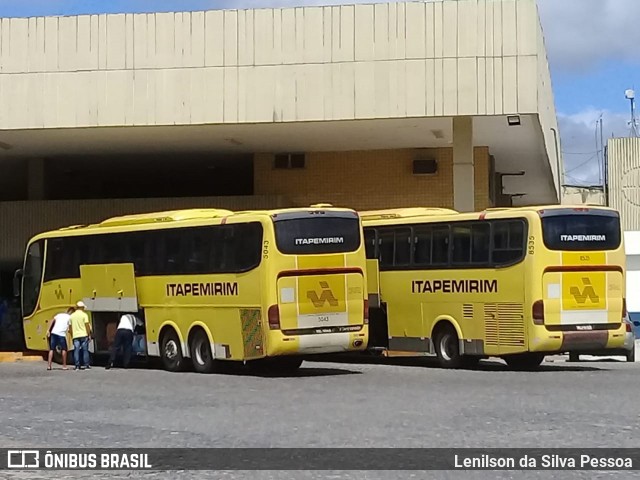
{"x": 448, "y": 348}
{"x": 171, "y": 352}
{"x": 201, "y": 355}
{"x": 524, "y": 361}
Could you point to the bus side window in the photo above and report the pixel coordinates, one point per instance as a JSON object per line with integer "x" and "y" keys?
{"x": 370, "y": 242}
{"x": 440, "y": 246}
{"x": 386, "y": 248}
{"x": 402, "y": 247}
{"x": 461, "y": 244}
{"x": 422, "y": 246}
{"x": 480, "y": 243}
{"x": 508, "y": 241}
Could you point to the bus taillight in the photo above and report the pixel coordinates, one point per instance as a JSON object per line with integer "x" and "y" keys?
{"x": 537, "y": 312}
{"x": 366, "y": 311}
{"x": 274, "y": 317}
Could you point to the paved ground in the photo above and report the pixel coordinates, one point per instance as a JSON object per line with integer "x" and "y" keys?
{"x": 403, "y": 404}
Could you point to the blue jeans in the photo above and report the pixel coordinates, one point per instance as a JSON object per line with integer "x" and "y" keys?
{"x": 81, "y": 345}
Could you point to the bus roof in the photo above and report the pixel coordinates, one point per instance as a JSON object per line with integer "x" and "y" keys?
{"x": 381, "y": 217}
{"x": 177, "y": 217}
{"x": 405, "y": 213}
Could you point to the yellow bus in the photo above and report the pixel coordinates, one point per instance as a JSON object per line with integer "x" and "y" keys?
{"x": 515, "y": 283}
{"x": 209, "y": 285}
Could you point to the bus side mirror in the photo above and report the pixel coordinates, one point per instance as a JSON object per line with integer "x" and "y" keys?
{"x": 17, "y": 282}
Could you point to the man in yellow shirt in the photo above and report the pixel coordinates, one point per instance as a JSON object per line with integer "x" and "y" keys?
{"x": 81, "y": 332}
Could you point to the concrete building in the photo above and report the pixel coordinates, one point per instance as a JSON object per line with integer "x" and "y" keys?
{"x": 577, "y": 195}
{"x": 623, "y": 173}
{"x": 432, "y": 103}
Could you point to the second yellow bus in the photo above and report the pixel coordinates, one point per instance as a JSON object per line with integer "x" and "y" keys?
{"x": 516, "y": 283}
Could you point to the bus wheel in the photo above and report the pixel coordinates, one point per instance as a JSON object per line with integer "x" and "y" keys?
{"x": 286, "y": 364}
{"x": 448, "y": 348}
{"x": 171, "y": 353}
{"x": 631, "y": 355}
{"x": 524, "y": 361}
{"x": 201, "y": 356}
{"x": 470, "y": 361}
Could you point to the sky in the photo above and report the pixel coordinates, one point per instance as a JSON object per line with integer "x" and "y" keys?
{"x": 593, "y": 48}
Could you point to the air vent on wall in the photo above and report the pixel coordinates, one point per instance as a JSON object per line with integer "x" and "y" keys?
{"x": 288, "y": 160}
{"x": 427, "y": 166}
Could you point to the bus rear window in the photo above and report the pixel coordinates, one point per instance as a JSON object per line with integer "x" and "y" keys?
{"x": 581, "y": 232}
{"x": 318, "y": 234}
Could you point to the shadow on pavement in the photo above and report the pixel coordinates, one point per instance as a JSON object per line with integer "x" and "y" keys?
{"x": 306, "y": 370}
{"x": 431, "y": 362}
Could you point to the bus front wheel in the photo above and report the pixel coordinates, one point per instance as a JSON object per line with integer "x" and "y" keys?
{"x": 171, "y": 353}
{"x": 448, "y": 348}
{"x": 524, "y": 361}
{"x": 201, "y": 356}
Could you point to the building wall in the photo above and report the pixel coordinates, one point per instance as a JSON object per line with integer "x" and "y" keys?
{"x": 370, "y": 179}
{"x": 396, "y": 60}
{"x": 28, "y": 218}
{"x": 624, "y": 180}
{"x": 582, "y": 196}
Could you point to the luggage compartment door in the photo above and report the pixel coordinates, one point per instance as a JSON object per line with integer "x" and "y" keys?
{"x": 109, "y": 288}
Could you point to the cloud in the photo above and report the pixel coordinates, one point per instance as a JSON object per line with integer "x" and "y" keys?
{"x": 580, "y": 34}
{"x": 582, "y": 156}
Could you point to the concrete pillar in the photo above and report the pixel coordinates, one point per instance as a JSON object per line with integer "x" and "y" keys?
{"x": 35, "y": 179}
{"x": 463, "y": 170}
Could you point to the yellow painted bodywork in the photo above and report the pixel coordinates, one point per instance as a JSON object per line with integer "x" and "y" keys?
{"x": 501, "y": 317}
{"x": 236, "y": 322}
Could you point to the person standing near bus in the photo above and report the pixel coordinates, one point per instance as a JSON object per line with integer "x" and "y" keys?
{"x": 123, "y": 340}
{"x": 81, "y": 332}
{"x": 57, "y": 335}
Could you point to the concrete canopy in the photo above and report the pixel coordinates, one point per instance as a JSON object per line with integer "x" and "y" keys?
{"x": 361, "y": 77}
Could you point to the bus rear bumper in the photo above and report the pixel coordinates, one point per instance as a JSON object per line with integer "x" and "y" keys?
{"x": 577, "y": 341}
{"x": 318, "y": 343}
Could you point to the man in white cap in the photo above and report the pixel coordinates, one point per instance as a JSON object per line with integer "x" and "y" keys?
{"x": 81, "y": 332}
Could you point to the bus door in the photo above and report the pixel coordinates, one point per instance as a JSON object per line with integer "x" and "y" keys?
{"x": 107, "y": 291}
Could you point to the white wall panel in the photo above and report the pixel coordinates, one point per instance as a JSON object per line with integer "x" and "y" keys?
{"x": 416, "y": 33}
{"x": 401, "y": 59}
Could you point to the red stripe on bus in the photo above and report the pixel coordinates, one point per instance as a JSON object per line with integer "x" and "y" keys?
{"x": 584, "y": 268}
{"x": 319, "y": 271}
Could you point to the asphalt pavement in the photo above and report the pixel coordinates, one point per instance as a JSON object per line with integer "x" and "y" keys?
{"x": 391, "y": 403}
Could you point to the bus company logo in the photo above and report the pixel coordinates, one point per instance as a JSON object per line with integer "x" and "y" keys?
{"x": 454, "y": 286}
{"x": 583, "y": 238}
{"x": 326, "y": 295}
{"x": 59, "y": 293}
{"x": 587, "y": 293}
{"x": 211, "y": 289}
{"x": 319, "y": 240}
{"x": 23, "y": 459}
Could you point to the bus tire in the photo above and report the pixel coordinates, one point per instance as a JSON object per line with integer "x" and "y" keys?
{"x": 631, "y": 355}
{"x": 287, "y": 364}
{"x": 469, "y": 361}
{"x": 524, "y": 361}
{"x": 201, "y": 355}
{"x": 171, "y": 352}
{"x": 448, "y": 348}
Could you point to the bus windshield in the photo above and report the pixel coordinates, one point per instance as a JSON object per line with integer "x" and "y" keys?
{"x": 578, "y": 232}
{"x": 309, "y": 234}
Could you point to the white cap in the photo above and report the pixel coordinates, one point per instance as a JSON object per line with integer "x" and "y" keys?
{"x": 81, "y": 304}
